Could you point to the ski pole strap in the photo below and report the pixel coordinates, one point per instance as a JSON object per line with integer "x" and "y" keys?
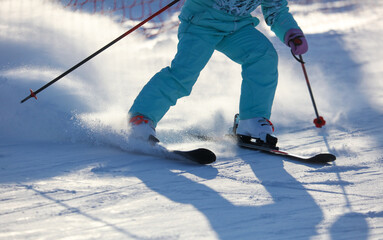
{"x": 300, "y": 59}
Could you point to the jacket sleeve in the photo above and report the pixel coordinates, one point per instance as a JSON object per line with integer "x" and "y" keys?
{"x": 277, "y": 16}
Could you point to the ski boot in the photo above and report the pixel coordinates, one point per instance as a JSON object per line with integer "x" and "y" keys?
{"x": 256, "y": 131}
{"x": 142, "y": 128}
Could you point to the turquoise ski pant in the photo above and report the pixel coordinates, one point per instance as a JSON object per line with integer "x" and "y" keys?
{"x": 199, "y": 35}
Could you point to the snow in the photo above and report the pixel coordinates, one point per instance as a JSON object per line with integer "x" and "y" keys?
{"x": 67, "y": 170}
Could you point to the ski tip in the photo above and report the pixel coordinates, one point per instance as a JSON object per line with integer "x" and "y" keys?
{"x": 207, "y": 156}
{"x": 200, "y": 155}
{"x": 323, "y": 158}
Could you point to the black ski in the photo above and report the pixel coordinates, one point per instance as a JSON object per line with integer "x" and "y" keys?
{"x": 199, "y": 155}
{"x": 270, "y": 147}
{"x": 318, "y": 158}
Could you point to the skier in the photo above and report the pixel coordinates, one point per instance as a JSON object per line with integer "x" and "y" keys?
{"x": 226, "y": 26}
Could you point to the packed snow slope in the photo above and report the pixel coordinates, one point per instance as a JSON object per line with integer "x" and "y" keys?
{"x": 68, "y": 171}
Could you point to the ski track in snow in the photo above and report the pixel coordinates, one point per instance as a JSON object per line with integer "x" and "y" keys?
{"x": 69, "y": 171}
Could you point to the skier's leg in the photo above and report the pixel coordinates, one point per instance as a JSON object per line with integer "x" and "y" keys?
{"x": 176, "y": 81}
{"x": 259, "y": 61}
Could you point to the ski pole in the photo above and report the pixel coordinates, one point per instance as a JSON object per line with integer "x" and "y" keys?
{"x": 319, "y": 120}
{"x": 34, "y": 93}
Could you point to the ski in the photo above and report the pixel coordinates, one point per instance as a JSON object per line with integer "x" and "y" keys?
{"x": 269, "y": 146}
{"x": 200, "y": 155}
{"x": 318, "y": 158}
{"x": 253, "y": 145}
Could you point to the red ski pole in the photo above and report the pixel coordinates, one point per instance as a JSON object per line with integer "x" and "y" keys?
{"x": 34, "y": 93}
{"x": 319, "y": 120}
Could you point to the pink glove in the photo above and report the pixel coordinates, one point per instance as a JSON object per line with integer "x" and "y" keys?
{"x": 295, "y": 39}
